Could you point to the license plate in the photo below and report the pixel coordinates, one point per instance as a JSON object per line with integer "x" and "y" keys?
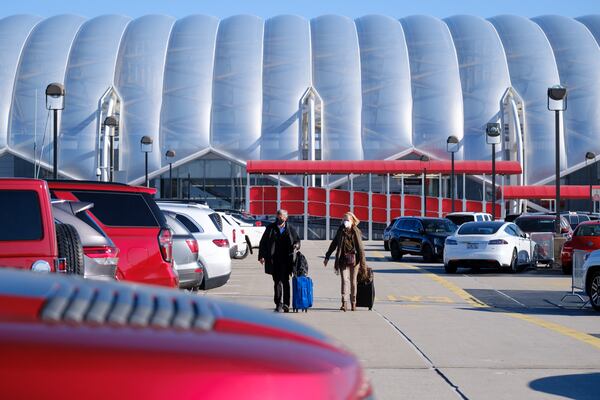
{"x": 472, "y": 246}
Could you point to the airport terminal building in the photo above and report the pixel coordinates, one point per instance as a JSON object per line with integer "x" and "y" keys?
{"x": 218, "y": 93}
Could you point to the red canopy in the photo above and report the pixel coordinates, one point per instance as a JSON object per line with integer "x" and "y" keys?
{"x": 343, "y": 167}
{"x": 547, "y": 192}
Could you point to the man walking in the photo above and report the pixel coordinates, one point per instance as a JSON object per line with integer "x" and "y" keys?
{"x": 276, "y": 253}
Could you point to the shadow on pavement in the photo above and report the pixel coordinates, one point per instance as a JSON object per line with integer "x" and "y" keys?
{"x": 397, "y": 271}
{"x": 576, "y": 386}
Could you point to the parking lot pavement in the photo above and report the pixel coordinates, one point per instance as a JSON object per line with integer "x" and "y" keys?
{"x": 486, "y": 335}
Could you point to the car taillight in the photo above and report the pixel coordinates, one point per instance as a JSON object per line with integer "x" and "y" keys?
{"x": 242, "y": 232}
{"x": 498, "y": 241}
{"x": 165, "y": 242}
{"x": 193, "y": 245}
{"x": 257, "y": 223}
{"x": 567, "y": 248}
{"x": 221, "y": 242}
{"x": 101, "y": 252}
{"x": 234, "y": 235}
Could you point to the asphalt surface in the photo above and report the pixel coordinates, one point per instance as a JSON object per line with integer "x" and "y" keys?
{"x": 485, "y": 335}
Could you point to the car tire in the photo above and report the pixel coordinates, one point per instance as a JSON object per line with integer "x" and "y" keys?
{"x": 386, "y": 245}
{"x": 395, "y": 251}
{"x": 70, "y": 248}
{"x": 567, "y": 269}
{"x": 594, "y": 290}
{"x": 240, "y": 256}
{"x": 427, "y": 253}
{"x": 450, "y": 268}
{"x": 514, "y": 263}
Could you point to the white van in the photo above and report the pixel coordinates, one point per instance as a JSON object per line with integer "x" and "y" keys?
{"x": 460, "y": 218}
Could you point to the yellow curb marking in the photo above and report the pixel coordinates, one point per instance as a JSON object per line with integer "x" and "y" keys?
{"x": 391, "y": 298}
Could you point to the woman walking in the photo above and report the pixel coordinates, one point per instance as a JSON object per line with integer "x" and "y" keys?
{"x": 349, "y": 257}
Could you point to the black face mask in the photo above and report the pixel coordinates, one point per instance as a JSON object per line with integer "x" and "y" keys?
{"x": 279, "y": 221}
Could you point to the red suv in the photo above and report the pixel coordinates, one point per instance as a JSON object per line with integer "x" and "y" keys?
{"x": 586, "y": 237}
{"x": 129, "y": 215}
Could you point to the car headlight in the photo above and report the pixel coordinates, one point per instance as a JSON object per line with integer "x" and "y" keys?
{"x": 586, "y": 256}
{"x": 438, "y": 242}
{"x": 451, "y": 242}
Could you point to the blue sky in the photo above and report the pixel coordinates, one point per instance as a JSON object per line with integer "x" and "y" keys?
{"x": 306, "y": 8}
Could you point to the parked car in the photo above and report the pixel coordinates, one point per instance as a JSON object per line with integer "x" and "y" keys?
{"x": 586, "y": 237}
{"x": 533, "y": 223}
{"x": 575, "y": 219}
{"x": 158, "y": 343}
{"x": 206, "y": 226}
{"x": 100, "y": 255}
{"x": 495, "y": 244}
{"x": 591, "y": 274}
{"x": 460, "y": 218}
{"x": 238, "y": 245}
{"x": 30, "y": 238}
{"x": 253, "y": 229}
{"x": 387, "y": 234}
{"x": 131, "y": 218}
{"x": 185, "y": 254}
{"x": 420, "y": 236}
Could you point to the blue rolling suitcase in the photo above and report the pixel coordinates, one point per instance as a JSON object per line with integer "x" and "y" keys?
{"x": 302, "y": 293}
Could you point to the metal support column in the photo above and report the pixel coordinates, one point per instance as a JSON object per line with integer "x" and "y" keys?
{"x": 351, "y": 181}
{"x": 502, "y": 204}
{"x": 247, "y": 192}
{"x": 402, "y": 195}
{"x": 423, "y": 194}
{"x": 483, "y": 198}
{"x": 388, "y": 200}
{"x": 370, "y": 209}
{"x": 464, "y": 194}
{"x": 327, "y": 205}
{"x": 305, "y": 184}
{"x": 440, "y": 211}
{"x": 279, "y": 191}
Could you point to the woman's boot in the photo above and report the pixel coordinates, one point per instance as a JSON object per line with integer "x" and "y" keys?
{"x": 343, "y": 307}
{"x": 353, "y": 306}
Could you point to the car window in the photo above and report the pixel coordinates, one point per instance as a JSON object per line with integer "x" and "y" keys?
{"x": 403, "y": 224}
{"x": 177, "y": 227}
{"x": 217, "y": 221}
{"x": 191, "y": 226}
{"x": 510, "y": 230}
{"x": 518, "y": 230}
{"x": 120, "y": 209}
{"x": 410, "y": 225}
{"x": 20, "y": 215}
{"x": 439, "y": 226}
{"x": 478, "y": 218}
{"x": 535, "y": 224}
{"x": 460, "y": 219}
{"x": 480, "y": 228}
{"x": 587, "y": 230}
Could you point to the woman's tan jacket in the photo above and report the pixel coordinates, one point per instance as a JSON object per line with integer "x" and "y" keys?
{"x": 336, "y": 245}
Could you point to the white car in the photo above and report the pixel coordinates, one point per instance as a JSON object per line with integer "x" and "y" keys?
{"x": 591, "y": 278}
{"x": 206, "y": 227}
{"x": 495, "y": 244}
{"x": 238, "y": 246}
{"x": 253, "y": 232}
{"x": 460, "y": 218}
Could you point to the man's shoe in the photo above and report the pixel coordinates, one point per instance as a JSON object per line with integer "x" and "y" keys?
{"x": 286, "y": 308}
{"x": 278, "y": 309}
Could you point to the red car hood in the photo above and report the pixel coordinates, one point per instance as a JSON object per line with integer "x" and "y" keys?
{"x": 67, "y": 337}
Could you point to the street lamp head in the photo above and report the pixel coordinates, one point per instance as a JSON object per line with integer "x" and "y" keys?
{"x": 111, "y": 121}
{"x": 557, "y": 98}
{"x": 424, "y": 158}
{"x": 452, "y": 144}
{"x": 493, "y": 132}
{"x": 590, "y": 156}
{"x": 170, "y": 153}
{"x": 55, "y": 96}
{"x": 146, "y": 144}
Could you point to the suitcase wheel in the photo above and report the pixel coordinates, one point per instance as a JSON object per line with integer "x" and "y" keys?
{"x": 370, "y": 308}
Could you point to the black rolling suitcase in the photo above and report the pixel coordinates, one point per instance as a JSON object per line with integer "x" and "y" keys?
{"x": 365, "y": 290}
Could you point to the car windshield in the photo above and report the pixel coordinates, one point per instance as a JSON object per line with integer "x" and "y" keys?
{"x": 438, "y": 226}
{"x": 480, "y": 228}
{"x": 461, "y": 219}
{"x": 535, "y": 224}
{"x": 588, "y": 230}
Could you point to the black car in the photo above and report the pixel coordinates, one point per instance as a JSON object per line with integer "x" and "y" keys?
{"x": 387, "y": 233}
{"x": 420, "y": 236}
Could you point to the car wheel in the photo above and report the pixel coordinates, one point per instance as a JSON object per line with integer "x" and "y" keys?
{"x": 395, "y": 251}
{"x": 427, "y": 253}
{"x": 386, "y": 245}
{"x": 514, "y": 263}
{"x": 594, "y": 290}
{"x": 70, "y": 248}
{"x": 450, "y": 268}
{"x": 241, "y": 256}
{"x": 567, "y": 269}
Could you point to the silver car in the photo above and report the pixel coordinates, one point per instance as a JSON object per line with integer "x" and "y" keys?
{"x": 100, "y": 255}
{"x": 185, "y": 254}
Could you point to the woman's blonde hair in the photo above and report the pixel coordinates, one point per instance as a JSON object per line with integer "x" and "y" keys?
{"x": 355, "y": 221}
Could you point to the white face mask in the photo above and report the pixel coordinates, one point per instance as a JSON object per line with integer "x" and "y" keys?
{"x": 347, "y": 224}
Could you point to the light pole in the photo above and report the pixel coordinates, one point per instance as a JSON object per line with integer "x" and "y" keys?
{"x": 170, "y": 154}
{"x": 55, "y": 100}
{"x": 111, "y": 123}
{"x": 557, "y": 102}
{"x": 492, "y": 137}
{"x": 146, "y": 146}
{"x": 452, "y": 145}
{"x": 589, "y": 157}
{"x": 424, "y": 158}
